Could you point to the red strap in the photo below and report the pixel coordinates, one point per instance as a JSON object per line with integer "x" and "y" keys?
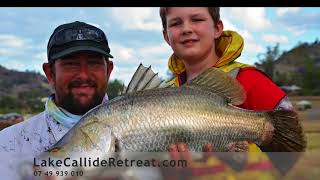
{"x": 264, "y": 166}
{"x": 201, "y": 171}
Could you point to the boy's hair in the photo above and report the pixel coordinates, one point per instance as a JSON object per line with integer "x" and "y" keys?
{"x": 213, "y": 11}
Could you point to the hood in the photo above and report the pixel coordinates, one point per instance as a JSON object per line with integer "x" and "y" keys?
{"x": 228, "y": 47}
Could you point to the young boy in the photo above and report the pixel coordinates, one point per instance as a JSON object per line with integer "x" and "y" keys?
{"x": 198, "y": 41}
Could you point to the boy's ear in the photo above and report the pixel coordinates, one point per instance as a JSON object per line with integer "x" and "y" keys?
{"x": 165, "y": 36}
{"x": 219, "y": 29}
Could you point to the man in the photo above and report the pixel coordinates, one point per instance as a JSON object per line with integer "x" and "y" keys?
{"x": 78, "y": 69}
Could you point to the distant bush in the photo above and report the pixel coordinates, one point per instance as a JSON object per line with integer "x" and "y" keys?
{"x": 115, "y": 87}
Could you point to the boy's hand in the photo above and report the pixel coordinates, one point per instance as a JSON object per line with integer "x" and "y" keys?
{"x": 179, "y": 152}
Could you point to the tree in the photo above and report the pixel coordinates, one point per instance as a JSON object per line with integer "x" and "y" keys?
{"x": 115, "y": 87}
{"x": 281, "y": 79}
{"x": 267, "y": 62}
{"x": 10, "y": 104}
{"x": 309, "y": 78}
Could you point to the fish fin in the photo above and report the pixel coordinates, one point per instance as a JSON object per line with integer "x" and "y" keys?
{"x": 287, "y": 135}
{"x": 90, "y": 134}
{"x": 218, "y": 82}
{"x": 144, "y": 78}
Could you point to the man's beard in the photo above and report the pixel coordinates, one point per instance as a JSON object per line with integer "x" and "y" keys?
{"x": 71, "y": 104}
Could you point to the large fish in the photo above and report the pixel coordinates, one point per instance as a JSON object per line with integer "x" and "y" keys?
{"x": 150, "y": 115}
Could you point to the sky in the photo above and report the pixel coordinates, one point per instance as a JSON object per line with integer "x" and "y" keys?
{"x": 135, "y": 34}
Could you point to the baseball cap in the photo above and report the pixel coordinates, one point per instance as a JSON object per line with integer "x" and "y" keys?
{"x": 74, "y": 37}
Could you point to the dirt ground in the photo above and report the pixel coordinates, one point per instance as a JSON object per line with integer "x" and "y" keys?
{"x": 7, "y": 123}
{"x": 310, "y": 114}
{"x": 307, "y": 168}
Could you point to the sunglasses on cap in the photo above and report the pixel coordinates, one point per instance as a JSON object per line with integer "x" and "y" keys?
{"x": 69, "y": 35}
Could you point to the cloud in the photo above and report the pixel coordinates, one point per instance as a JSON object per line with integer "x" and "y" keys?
{"x": 9, "y": 40}
{"x": 228, "y": 17}
{"x": 146, "y": 19}
{"x": 42, "y": 56}
{"x": 298, "y": 22}
{"x": 126, "y": 59}
{"x": 125, "y": 73}
{"x": 296, "y": 31}
{"x": 253, "y": 19}
{"x": 122, "y": 73}
{"x": 135, "y": 55}
{"x": 250, "y": 46}
{"x": 227, "y": 25}
{"x": 4, "y": 52}
{"x": 155, "y": 50}
{"x": 122, "y": 54}
{"x": 15, "y": 64}
{"x": 273, "y": 38}
{"x": 35, "y": 63}
{"x": 284, "y": 11}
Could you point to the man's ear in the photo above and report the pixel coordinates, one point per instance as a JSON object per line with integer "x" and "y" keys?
{"x": 218, "y": 29}
{"x": 109, "y": 69}
{"x": 165, "y": 36}
{"x": 49, "y": 73}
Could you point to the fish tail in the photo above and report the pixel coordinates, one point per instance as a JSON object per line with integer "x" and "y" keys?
{"x": 287, "y": 135}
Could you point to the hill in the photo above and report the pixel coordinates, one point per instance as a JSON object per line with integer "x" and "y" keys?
{"x": 297, "y": 59}
{"x": 299, "y": 67}
{"x": 22, "y": 90}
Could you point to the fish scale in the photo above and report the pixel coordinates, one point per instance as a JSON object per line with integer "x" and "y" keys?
{"x": 188, "y": 118}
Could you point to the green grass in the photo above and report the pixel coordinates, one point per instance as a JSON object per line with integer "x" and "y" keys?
{"x": 313, "y": 141}
{"x": 307, "y": 167}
